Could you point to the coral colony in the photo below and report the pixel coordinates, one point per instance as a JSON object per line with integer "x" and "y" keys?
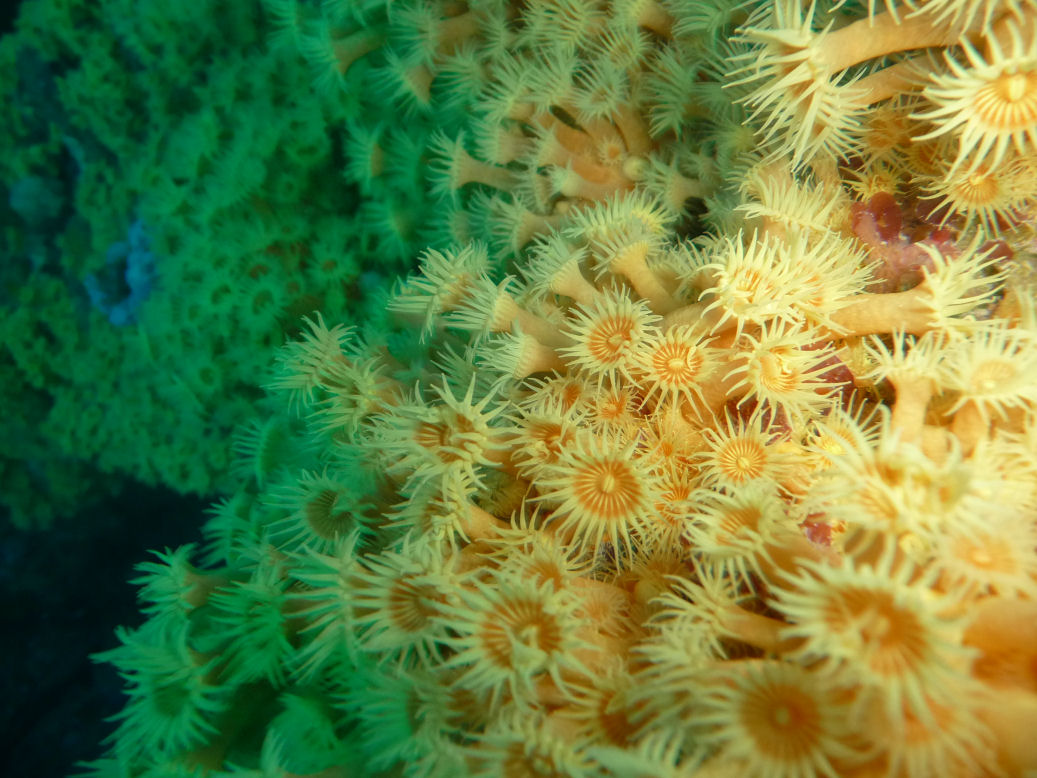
{"x": 702, "y": 441}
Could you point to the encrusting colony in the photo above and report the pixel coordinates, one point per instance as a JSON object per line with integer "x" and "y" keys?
{"x": 757, "y": 502}
{"x": 171, "y": 209}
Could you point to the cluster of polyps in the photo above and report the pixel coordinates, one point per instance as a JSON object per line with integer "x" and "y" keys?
{"x": 657, "y": 507}
{"x": 673, "y": 505}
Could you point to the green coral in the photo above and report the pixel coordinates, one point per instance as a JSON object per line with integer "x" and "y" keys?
{"x": 178, "y": 117}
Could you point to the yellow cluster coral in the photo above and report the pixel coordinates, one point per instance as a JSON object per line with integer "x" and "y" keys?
{"x": 664, "y": 496}
{"x": 935, "y": 95}
{"x": 761, "y": 502}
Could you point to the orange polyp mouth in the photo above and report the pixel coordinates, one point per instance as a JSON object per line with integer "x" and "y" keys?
{"x": 1009, "y": 103}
